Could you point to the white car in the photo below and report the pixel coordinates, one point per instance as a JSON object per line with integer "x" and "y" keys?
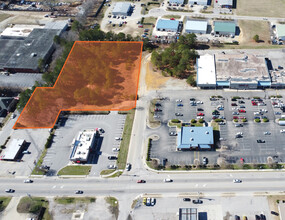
{"x": 239, "y": 133}
{"x": 118, "y": 138}
{"x": 199, "y": 102}
{"x": 200, "y": 117}
{"x": 148, "y": 201}
{"x": 112, "y": 166}
{"x": 267, "y": 133}
{"x": 28, "y": 181}
{"x": 152, "y": 201}
{"x": 178, "y": 100}
{"x": 282, "y": 131}
{"x": 168, "y": 180}
{"x": 237, "y": 181}
{"x": 115, "y": 149}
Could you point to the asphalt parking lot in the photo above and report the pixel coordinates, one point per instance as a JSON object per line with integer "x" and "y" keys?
{"x": 213, "y": 208}
{"x": 58, "y": 155}
{"x": 245, "y": 147}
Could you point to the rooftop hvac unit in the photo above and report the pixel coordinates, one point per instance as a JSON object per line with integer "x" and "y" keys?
{"x": 207, "y": 132}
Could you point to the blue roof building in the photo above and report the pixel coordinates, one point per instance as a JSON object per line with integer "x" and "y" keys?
{"x": 167, "y": 25}
{"x": 178, "y": 2}
{"x": 195, "y": 138}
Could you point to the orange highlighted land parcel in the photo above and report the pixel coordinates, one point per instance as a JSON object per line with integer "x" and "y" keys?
{"x": 97, "y": 76}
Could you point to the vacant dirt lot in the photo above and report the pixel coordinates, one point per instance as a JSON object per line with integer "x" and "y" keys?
{"x": 250, "y": 28}
{"x": 263, "y": 8}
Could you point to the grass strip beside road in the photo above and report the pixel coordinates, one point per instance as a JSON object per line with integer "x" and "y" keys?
{"x": 72, "y": 200}
{"x": 34, "y": 205}
{"x": 117, "y": 174}
{"x": 113, "y": 205}
{"x": 37, "y": 170}
{"x": 4, "y": 202}
{"x": 124, "y": 147}
{"x": 75, "y": 170}
{"x": 106, "y": 172}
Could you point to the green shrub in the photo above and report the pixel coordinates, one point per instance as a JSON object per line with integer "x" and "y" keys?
{"x": 244, "y": 120}
{"x": 265, "y": 120}
{"x": 236, "y": 97}
{"x": 193, "y": 121}
{"x": 235, "y": 120}
{"x": 148, "y": 149}
{"x": 256, "y": 97}
{"x": 245, "y": 166}
{"x": 201, "y": 121}
{"x": 175, "y": 121}
{"x": 257, "y": 120}
{"x": 218, "y": 120}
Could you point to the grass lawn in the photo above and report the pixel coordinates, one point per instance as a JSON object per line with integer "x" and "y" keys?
{"x": 4, "y": 202}
{"x": 124, "y": 147}
{"x": 117, "y": 174}
{"x": 4, "y": 16}
{"x": 106, "y": 172}
{"x": 172, "y": 16}
{"x": 71, "y": 200}
{"x": 33, "y": 205}
{"x": 251, "y": 28}
{"x": 215, "y": 126}
{"x": 150, "y": 20}
{"x": 75, "y": 170}
{"x": 37, "y": 170}
{"x": 261, "y": 8}
{"x": 113, "y": 205}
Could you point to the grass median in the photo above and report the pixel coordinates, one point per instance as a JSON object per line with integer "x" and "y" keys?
{"x": 124, "y": 147}
{"x": 4, "y": 202}
{"x": 74, "y": 200}
{"x": 75, "y": 170}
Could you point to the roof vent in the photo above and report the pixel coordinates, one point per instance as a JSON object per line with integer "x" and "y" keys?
{"x": 18, "y": 54}
{"x": 191, "y": 139}
{"x": 33, "y": 54}
{"x": 207, "y": 132}
{"x": 191, "y": 130}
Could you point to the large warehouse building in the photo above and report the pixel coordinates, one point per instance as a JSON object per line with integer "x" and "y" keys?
{"x": 225, "y": 27}
{"x": 195, "y": 138}
{"x": 225, "y": 3}
{"x": 197, "y": 27}
{"x": 280, "y": 31}
{"x": 167, "y": 25}
{"x": 236, "y": 71}
{"x": 122, "y": 8}
{"x": 22, "y": 52}
{"x": 199, "y": 2}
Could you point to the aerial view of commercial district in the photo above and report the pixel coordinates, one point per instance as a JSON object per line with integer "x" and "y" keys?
{"x": 205, "y": 139}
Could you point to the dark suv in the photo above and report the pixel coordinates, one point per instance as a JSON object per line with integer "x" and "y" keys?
{"x": 112, "y": 157}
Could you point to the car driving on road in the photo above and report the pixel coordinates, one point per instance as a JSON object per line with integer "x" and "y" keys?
{"x": 78, "y": 192}
{"x": 9, "y": 190}
{"x": 237, "y": 181}
{"x": 28, "y": 181}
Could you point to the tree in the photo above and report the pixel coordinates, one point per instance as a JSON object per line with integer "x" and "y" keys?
{"x": 76, "y": 26}
{"x": 41, "y": 64}
{"x": 256, "y": 38}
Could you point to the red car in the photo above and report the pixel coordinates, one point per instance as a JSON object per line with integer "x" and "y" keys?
{"x": 242, "y": 117}
{"x": 172, "y": 18}
{"x": 235, "y": 117}
{"x": 200, "y": 114}
{"x": 141, "y": 181}
{"x": 241, "y": 111}
{"x": 253, "y": 103}
{"x": 215, "y": 117}
{"x": 234, "y": 104}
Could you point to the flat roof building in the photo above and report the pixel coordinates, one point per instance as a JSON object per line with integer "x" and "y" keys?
{"x": 167, "y": 25}
{"x": 280, "y": 31}
{"x": 188, "y": 214}
{"x": 38, "y": 45}
{"x": 82, "y": 146}
{"x": 197, "y": 27}
{"x": 122, "y": 8}
{"x": 195, "y": 138}
{"x": 199, "y": 2}
{"x": 225, "y": 27}
{"x": 19, "y": 30}
{"x": 178, "y": 2}
{"x": 206, "y": 71}
{"x": 225, "y": 3}
{"x": 239, "y": 71}
{"x": 13, "y": 149}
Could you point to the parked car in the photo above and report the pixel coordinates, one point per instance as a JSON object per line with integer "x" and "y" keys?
{"x": 128, "y": 167}
{"x": 178, "y": 114}
{"x": 141, "y": 181}
{"x": 192, "y": 99}
{"x": 172, "y": 133}
{"x": 115, "y": 149}
{"x": 26, "y": 152}
{"x": 186, "y": 199}
{"x": 198, "y": 201}
{"x": 238, "y": 125}
{"x": 237, "y": 180}
{"x": 148, "y": 201}
{"x": 112, "y": 166}
{"x": 112, "y": 157}
{"x": 79, "y": 192}
{"x": 178, "y": 100}
{"x": 274, "y": 213}
{"x": 235, "y": 117}
{"x": 241, "y": 102}
{"x": 200, "y": 114}
{"x": 242, "y": 111}
{"x": 260, "y": 141}
{"x": 234, "y": 104}
{"x": 205, "y": 160}
{"x": 235, "y": 113}
{"x": 180, "y": 105}
{"x": 242, "y": 106}
{"x": 239, "y": 136}
{"x": 200, "y": 109}
{"x": 118, "y": 138}
{"x": 152, "y": 201}
{"x": 9, "y": 190}
{"x": 28, "y": 181}
{"x": 277, "y": 113}
{"x": 282, "y": 131}
{"x": 222, "y": 123}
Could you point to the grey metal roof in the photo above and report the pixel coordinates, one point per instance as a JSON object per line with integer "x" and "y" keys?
{"x": 36, "y": 46}
{"x": 122, "y": 7}
{"x": 8, "y": 47}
